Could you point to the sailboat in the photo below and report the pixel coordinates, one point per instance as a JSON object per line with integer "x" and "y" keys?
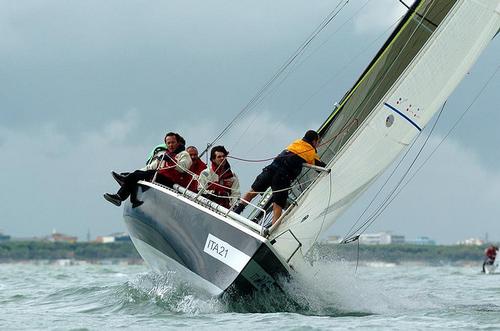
{"x": 411, "y": 76}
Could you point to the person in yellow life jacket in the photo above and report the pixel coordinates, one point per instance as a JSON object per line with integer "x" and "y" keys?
{"x": 282, "y": 171}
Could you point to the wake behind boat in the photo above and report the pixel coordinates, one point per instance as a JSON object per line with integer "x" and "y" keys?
{"x": 410, "y": 78}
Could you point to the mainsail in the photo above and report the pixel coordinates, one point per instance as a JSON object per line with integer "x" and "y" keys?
{"x": 412, "y": 75}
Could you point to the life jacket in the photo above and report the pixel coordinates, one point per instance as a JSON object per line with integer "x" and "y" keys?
{"x": 197, "y": 167}
{"x": 289, "y": 162}
{"x": 169, "y": 171}
{"x": 491, "y": 253}
{"x": 223, "y": 186}
{"x": 303, "y": 149}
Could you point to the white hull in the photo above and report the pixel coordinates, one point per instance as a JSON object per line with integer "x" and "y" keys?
{"x": 201, "y": 244}
{"x": 163, "y": 264}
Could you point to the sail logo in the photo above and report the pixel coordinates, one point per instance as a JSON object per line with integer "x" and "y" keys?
{"x": 224, "y": 252}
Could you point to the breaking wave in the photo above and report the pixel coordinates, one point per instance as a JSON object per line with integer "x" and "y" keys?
{"x": 329, "y": 290}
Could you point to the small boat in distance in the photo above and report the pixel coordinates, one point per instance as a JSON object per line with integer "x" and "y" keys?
{"x": 490, "y": 263}
{"x": 403, "y": 87}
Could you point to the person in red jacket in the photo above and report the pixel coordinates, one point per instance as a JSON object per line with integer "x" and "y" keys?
{"x": 196, "y": 168}
{"x": 167, "y": 167}
{"x": 490, "y": 255}
{"x": 175, "y": 163}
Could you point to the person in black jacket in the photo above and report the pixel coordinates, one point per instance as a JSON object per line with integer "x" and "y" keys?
{"x": 282, "y": 171}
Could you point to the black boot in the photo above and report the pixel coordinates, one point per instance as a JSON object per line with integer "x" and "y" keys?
{"x": 136, "y": 203}
{"x": 120, "y": 179}
{"x": 113, "y": 198}
{"x": 238, "y": 209}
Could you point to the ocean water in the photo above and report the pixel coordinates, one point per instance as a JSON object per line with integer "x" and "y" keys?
{"x": 333, "y": 296}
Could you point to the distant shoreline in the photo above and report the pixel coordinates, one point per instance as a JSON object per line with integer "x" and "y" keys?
{"x": 124, "y": 252}
{"x": 86, "y": 251}
{"x": 404, "y": 253}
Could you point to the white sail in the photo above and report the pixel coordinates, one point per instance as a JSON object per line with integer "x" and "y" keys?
{"x": 392, "y": 118}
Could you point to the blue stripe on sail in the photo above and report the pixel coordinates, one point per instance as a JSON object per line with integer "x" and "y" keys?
{"x": 404, "y": 116}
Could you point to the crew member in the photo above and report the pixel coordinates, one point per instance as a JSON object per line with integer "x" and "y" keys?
{"x": 218, "y": 181}
{"x": 282, "y": 171}
{"x": 196, "y": 168}
{"x": 170, "y": 163}
{"x": 490, "y": 256}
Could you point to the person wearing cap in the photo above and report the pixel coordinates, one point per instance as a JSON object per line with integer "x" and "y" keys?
{"x": 285, "y": 168}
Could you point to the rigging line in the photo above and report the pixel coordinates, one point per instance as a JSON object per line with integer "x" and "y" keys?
{"x": 371, "y": 95}
{"x": 350, "y": 232}
{"x": 426, "y": 19}
{"x": 297, "y": 53}
{"x": 281, "y": 80}
{"x": 404, "y": 4}
{"x": 444, "y": 138}
{"x": 451, "y": 129}
{"x": 352, "y": 60}
{"x": 380, "y": 56}
{"x": 299, "y": 64}
{"x": 336, "y": 74}
{"x": 329, "y": 201}
{"x": 308, "y": 150}
{"x": 356, "y": 13}
{"x": 380, "y": 53}
{"x": 393, "y": 193}
{"x": 357, "y": 258}
{"x": 263, "y": 192}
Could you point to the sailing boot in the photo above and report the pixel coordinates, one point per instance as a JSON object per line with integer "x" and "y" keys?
{"x": 136, "y": 203}
{"x": 238, "y": 209}
{"x": 113, "y": 198}
{"x": 120, "y": 178}
{"x": 133, "y": 198}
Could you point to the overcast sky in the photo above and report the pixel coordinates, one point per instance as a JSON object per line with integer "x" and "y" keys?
{"x": 90, "y": 86}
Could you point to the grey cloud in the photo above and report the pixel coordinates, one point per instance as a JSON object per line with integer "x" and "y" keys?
{"x": 90, "y": 86}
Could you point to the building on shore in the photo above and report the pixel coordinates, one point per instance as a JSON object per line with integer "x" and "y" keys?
{"x": 60, "y": 237}
{"x": 115, "y": 237}
{"x": 471, "y": 242}
{"x": 422, "y": 241}
{"x": 382, "y": 238}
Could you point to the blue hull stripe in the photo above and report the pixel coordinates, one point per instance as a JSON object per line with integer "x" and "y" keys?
{"x": 404, "y": 116}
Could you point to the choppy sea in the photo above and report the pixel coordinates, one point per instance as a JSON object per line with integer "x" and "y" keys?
{"x": 333, "y": 296}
